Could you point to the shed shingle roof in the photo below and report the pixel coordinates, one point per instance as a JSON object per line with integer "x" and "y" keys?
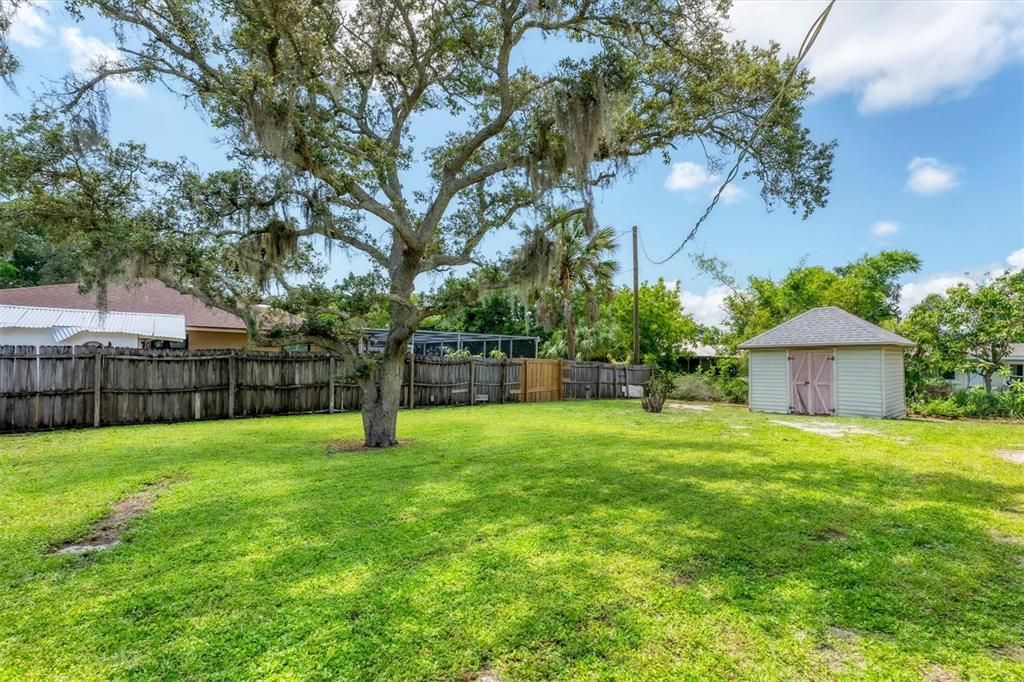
{"x": 150, "y": 296}
{"x": 829, "y": 326}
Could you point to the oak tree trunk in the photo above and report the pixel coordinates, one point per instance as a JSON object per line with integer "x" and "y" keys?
{"x": 382, "y": 393}
{"x": 382, "y": 389}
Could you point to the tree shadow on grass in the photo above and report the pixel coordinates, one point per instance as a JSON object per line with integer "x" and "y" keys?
{"x": 385, "y": 568}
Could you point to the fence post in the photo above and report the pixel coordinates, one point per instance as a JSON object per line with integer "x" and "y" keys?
{"x": 197, "y": 396}
{"x": 501, "y": 381}
{"x": 412, "y": 378}
{"x": 561, "y": 379}
{"x": 35, "y": 402}
{"x": 330, "y": 386}
{"x": 472, "y": 381}
{"x": 97, "y": 378}
{"x": 232, "y": 382}
{"x": 524, "y": 381}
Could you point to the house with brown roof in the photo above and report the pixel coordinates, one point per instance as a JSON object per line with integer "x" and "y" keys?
{"x": 205, "y": 327}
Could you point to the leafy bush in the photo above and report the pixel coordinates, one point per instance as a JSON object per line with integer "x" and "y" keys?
{"x": 710, "y": 387}
{"x": 497, "y": 354}
{"x": 697, "y": 386}
{"x": 975, "y": 402}
{"x": 656, "y": 390}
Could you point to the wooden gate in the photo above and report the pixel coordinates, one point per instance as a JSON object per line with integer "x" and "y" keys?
{"x": 541, "y": 380}
{"x": 810, "y": 377}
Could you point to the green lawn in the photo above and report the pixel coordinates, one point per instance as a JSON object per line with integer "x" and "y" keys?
{"x": 566, "y": 540}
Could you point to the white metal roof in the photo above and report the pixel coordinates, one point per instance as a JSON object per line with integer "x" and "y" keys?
{"x": 828, "y": 326}
{"x": 64, "y": 323}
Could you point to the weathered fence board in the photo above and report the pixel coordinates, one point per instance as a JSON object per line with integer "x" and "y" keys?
{"x": 53, "y": 387}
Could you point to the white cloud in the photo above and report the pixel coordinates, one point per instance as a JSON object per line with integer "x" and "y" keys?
{"x": 892, "y": 54}
{"x": 28, "y": 27}
{"x": 928, "y": 175}
{"x": 87, "y": 52}
{"x": 706, "y": 308}
{"x": 687, "y": 176}
{"x": 913, "y": 293}
{"x": 731, "y": 194}
{"x": 885, "y": 228}
{"x": 1016, "y": 259}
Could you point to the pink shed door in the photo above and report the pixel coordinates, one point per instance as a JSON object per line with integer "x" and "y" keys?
{"x": 810, "y": 377}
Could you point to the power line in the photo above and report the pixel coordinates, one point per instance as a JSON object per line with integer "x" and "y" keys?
{"x": 805, "y": 47}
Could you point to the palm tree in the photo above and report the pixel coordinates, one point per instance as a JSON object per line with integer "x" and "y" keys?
{"x": 580, "y": 273}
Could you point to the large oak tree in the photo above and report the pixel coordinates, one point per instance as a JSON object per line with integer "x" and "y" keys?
{"x": 319, "y": 102}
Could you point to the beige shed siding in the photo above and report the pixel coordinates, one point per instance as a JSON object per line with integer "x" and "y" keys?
{"x": 769, "y": 381}
{"x": 893, "y": 384}
{"x": 858, "y": 386}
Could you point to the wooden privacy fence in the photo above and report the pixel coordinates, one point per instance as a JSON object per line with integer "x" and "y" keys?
{"x": 60, "y": 386}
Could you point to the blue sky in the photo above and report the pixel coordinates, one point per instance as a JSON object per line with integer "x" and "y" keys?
{"x": 926, "y": 100}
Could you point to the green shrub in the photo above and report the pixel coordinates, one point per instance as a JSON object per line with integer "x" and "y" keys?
{"x": 695, "y": 387}
{"x": 710, "y": 387}
{"x": 975, "y": 402}
{"x": 656, "y": 390}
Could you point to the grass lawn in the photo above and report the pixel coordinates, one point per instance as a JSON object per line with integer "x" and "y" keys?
{"x": 564, "y": 540}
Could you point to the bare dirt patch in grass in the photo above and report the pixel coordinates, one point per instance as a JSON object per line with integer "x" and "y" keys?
{"x": 828, "y": 535}
{"x": 1010, "y": 652}
{"x": 1015, "y": 456}
{"x": 830, "y": 429}
{"x": 683, "y": 579}
{"x": 484, "y": 675}
{"x": 834, "y": 654}
{"x": 689, "y": 407}
{"x": 340, "y": 446}
{"x": 106, "y": 533}
{"x": 937, "y": 673}
{"x": 1005, "y": 539}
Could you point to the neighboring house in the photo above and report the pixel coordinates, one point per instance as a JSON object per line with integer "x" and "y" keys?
{"x": 205, "y": 327}
{"x": 1014, "y": 364}
{"x": 29, "y": 326}
{"x": 828, "y": 362}
{"x": 699, "y": 356}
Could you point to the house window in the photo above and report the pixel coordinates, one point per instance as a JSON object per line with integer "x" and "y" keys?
{"x": 166, "y": 344}
{"x": 949, "y": 376}
{"x": 297, "y": 348}
{"x": 1017, "y": 370}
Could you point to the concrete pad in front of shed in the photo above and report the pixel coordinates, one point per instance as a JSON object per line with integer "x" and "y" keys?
{"x": 827, "y": 428}
{"x": 1015, "y": 456}
{"x": 689, "y": 407}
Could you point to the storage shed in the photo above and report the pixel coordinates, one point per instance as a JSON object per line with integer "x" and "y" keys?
{"x": 828, "y": 362}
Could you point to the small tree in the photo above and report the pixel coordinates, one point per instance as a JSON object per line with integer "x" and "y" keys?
{"x": 664, "y": 326}
{"x": 984, "y": 322}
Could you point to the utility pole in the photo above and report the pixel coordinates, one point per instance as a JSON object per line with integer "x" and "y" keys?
{"x": 636, "y": 303}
